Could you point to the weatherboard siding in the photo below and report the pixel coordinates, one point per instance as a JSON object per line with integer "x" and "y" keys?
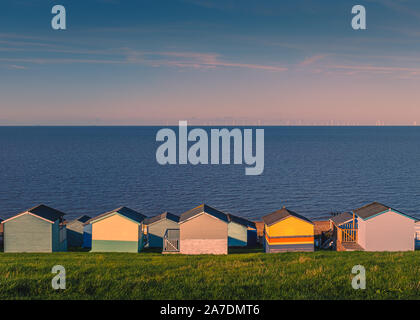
{"x": 115, "y": 228}
{"x": 238, "y": 235}
{"x": 290, "y": 234}
{"x": 204, "y": 227}
{"x": 291, "y": 226}
{"x": 116, "y": 234}
{"x": 157, "y": 230}
{"x": 204, "y": 234}
{"x": 290, "y": 248}
{"x": 361, "y": 233}
{"x": 204, "y": 246}
{"x": 389, "y": 231}
{"x": 114, "y": 246}
{"x": 27, "y": 233}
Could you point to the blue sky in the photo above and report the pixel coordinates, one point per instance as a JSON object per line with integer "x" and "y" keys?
{"x": 155, "y": 62}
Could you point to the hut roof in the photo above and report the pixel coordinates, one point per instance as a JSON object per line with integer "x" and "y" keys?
{"x": 341, "y": 218}
{"x": 241, "y": 221}
{"x": 162, "y": 216}
{"x": 83, "y": 218}
{"x": 282, "y": 214}
{"x": 124, "y": 211}
{"x": 42, "y": 211}
{"x": 372, "y": 209}
{"x": 321, "y": 226}
{"x": 203, "y": 209}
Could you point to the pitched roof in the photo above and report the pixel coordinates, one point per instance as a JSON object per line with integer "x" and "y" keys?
{"x": 341, "y": 218}
{"x": 372, "y": 209}
{"x": 240, "y": 220}
{"x": 203, "y": 209}
{"x": 162, "y": 216}
{"x": 124, "y": 211}
{"x": 42, "y": 211}
{"x": 83, "y": 218}
{"x": 281, "y": 214}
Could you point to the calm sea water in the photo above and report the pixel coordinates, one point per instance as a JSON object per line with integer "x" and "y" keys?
{"x": 312, "y": 170}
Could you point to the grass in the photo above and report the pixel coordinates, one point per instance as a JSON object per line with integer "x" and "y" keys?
{"x": 243, "y": 274}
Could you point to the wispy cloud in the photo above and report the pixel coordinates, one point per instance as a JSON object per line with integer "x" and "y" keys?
{"x": 209, "y": 60}
{"x": 181, "y": 59}
{"x": 377, "y": 69}
{"x": 312, "y": 59}
{"x": 16, "y": 67}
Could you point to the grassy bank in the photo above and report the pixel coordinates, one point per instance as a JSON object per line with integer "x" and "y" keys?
{"x": 255, "y": 275}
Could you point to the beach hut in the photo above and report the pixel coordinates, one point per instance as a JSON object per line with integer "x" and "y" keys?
{"x": 241, "y": 232}
{"x": 285, "y": 230}
{"x": 39, "y": 229}
{"x": 417, "y": 235}
{"x": 203, "y": 230}
{"x": 155, "y": 228}
{"x": 75, "y": 231}
{"x": 119, "y": 230}
{"x": 376, "y": 227}
{"x": 382, "y": 228}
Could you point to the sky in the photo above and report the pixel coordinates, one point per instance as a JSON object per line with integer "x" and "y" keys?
{"x": 230, "y": 62}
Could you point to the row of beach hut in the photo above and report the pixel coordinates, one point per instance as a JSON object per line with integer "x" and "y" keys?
{"x": 206, "y": 230}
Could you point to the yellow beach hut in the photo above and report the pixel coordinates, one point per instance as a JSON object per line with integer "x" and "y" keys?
{"x": 285, "y": 230}
{"x": 119, "y": 230}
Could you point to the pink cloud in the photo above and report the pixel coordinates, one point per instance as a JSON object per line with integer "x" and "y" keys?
{"x": 376, "y": 69}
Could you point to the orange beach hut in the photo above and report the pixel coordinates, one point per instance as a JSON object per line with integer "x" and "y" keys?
{"x": 285, "y": 230}
{"x": 119, "y": 230}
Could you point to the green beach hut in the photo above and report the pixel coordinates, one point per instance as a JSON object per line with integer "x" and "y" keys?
{"x": 39, "y": 229}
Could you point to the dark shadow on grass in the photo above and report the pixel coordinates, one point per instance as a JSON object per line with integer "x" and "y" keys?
{"x": 241, "y": 250}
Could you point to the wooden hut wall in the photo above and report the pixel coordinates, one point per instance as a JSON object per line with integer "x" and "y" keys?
{"x": 290, "y": 234}
{"x": 27, "y": 233}
{"x": 238, "y": 235}
{"x": 204, "y": 234}
{"x": 116, "y": 234}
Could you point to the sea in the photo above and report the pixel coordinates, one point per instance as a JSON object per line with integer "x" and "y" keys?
{"x": 314, "y": 171}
